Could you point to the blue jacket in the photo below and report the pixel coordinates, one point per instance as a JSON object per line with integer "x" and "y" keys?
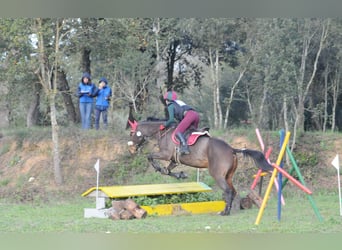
{"x": 103, "y": 96}
{"x": 86, "y": 92}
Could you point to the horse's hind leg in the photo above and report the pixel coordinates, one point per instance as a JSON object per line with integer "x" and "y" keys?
{"x": 232, "y": 192}
{"x": 229, "y": 191}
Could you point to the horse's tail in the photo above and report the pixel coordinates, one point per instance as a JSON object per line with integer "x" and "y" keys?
{"x": 258, "y": 158}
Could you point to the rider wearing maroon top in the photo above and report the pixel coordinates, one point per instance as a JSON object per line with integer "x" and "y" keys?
{"x": 186, "y": 115}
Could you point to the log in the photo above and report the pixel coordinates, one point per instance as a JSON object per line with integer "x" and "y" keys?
{"x": 130, "y": 204}
{"x": 118, "y": 205}
{"x": 126, "y": 210}
{"x": 246, "y": 203}
{"x": 113, "y": 214}
{"x": 135, "y": 209}
{"x": 139, "y": 213}
{"x": 126, "y": 215}
{"x": 257, "y": 200}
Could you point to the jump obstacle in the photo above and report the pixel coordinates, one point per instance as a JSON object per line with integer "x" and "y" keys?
{"x": 112, "y": 192}
{"x": 278, "y": 168}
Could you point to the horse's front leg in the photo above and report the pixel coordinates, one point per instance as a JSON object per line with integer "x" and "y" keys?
{"x": 161, "y": 155}
{"x": 178, "y": 175}
{"x": 158, "y": 168}
{"x": 165, "y": 170}
{"x": 154, "y": 163}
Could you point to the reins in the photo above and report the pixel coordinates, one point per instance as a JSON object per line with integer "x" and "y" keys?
{"x": 146, "y": 137}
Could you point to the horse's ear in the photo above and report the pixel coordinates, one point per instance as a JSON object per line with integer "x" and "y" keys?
{"x": 130, "y": 123}
{"x": 133, "y": 125}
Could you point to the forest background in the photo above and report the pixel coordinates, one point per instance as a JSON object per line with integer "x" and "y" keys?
{"x": 268, "y": 73}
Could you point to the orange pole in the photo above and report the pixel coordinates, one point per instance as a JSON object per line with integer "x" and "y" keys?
{"x": 297, "y": 183}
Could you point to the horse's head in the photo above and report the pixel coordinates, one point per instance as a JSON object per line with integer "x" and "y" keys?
{"x": 140, "y": 131}
{"x": 137, "y": 138}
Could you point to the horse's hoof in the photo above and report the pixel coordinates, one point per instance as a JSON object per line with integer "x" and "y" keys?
{"x": 224, "y": 213}
{"x": 165, "y": 171}
{"x": 182, "y": 175}
{"x": 158, "y": 169}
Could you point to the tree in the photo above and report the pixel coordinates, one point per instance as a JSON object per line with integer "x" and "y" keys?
{"x": 309, "y": 29}
{"x": 331, "y": 55}
{"x": 48, "y": 75}
{"x": 18, "y": 79}
{"x": 268, "y": 81}
{"x": 214, "y": 43}
{"x": 272, "y": 70}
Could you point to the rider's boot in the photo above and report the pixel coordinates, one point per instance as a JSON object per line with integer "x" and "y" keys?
{"x": 184, "y": 148}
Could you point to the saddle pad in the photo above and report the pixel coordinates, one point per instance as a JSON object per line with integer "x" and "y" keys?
{"x": 192, "y": 138}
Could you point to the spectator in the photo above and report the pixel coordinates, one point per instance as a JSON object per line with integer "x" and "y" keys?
{"x": 103, "y": 94}
{"x": 85, "y": 92}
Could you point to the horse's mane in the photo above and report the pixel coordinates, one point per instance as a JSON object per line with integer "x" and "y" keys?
{"x": 151, "y": 120}
{"x": 154, "y": 119}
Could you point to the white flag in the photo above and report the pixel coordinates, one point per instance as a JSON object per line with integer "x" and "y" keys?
{"x": 97, "y": 166}
{"x": 336, "y": 162}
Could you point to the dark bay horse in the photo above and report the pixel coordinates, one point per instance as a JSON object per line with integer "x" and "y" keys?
{"x": 207, "y": 152}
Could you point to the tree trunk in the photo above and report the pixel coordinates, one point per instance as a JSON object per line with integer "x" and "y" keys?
{"x": 63, "y": 87}
{"x": 286, "y": 124}
{"x": 85, "y": 60}
{"x": 33, "y": 111}
{"x": 172, "y": 52}
{"x": 217, "y": 89}
{"x": 45, "y": 77}
{"x": 241, "y": 74}
{"x": 55, "y": 142}
{"x": 325, "y": 118}
{"x": 302, "y": 88}
{"x": 336, "y": 91}
{"x": 215, "y": 98}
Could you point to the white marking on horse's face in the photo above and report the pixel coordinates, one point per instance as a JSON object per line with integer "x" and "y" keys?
{"x": 139, "y": 133}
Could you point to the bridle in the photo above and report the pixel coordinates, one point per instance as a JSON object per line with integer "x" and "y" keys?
{"x": 144, "y": 138}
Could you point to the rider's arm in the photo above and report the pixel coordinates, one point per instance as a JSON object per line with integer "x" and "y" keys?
{"x": 171, "y": 111}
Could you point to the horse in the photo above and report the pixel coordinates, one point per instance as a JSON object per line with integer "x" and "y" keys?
{"x": 205, "y": 152}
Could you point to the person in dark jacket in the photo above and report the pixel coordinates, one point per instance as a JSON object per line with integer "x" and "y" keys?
{"x": 103, "y": 95}
{"x": 85, "y": 92}
{"x": 185, "y": 114}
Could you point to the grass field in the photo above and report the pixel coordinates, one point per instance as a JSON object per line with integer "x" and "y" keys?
{"x": 51, "y": 222}
{"x": 297, "y": 217}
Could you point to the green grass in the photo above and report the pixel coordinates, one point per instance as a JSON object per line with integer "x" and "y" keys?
{"x": 67, "y": 217}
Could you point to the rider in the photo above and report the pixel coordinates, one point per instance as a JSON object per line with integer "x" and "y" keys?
{"x": 186, "y": 115}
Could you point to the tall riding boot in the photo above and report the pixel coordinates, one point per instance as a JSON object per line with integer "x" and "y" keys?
{"x": 184, "y": 148}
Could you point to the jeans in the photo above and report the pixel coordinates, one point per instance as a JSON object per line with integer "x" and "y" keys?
{"x": 86, "y": 109}
{"x": 98, "y": 113}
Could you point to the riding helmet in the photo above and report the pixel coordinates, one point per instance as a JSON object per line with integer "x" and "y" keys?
{"x": 170, "y": 95}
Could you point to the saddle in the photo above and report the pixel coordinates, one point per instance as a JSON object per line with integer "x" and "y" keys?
{"x": 192, "y": 135}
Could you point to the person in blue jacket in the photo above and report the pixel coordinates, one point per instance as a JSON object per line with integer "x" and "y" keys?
{"x": 103, "y": 95}
{"x": 85, "y": 91}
